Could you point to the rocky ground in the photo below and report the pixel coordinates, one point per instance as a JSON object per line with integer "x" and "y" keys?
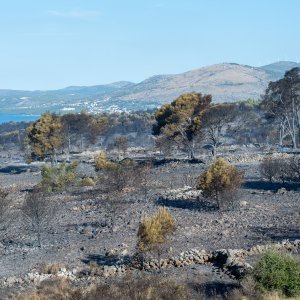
{"x": 89, "y": 229}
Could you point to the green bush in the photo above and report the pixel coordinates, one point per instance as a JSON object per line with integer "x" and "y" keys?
{"x": 56, "y": 178}
{"x": 279, "y": 272}
{"x": 87, "y": 181}
{"x": 102, "y": 163}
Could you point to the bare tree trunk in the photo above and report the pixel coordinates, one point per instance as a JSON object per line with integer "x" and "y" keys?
{"x": 281, "y": 134}
{"x": 54, "y": 157}
{"x": 81, "y": 142}
{"x": 191, "y": 147}
{"x": 69, "y": 146}
{"x": 119, "y": 153}
{"x": 213, "y": 151}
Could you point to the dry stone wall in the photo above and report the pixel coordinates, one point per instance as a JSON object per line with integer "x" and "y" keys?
{"x": 231, "y": 261}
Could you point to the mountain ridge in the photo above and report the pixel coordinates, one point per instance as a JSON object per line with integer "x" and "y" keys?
{"x": 227, "y": 82}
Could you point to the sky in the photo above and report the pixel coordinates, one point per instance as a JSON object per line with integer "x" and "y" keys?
{"x": 52, "y": 44}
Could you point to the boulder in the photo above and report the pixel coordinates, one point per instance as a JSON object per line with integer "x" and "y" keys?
{"x": 281, "y": 191}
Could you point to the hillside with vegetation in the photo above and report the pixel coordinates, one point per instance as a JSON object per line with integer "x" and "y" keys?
{"x": 226, "y": 82}
{"x": 194, "y": 200}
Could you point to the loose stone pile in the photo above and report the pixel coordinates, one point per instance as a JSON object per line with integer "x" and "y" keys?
{"x": 185, "y": 193}
{"x": 256, "y": 157}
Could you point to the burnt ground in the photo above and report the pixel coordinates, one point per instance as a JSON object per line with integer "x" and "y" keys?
{"x": 87, "y": 225}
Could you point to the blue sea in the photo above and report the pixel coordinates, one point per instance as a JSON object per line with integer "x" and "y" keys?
{"x": 5, "y": 118}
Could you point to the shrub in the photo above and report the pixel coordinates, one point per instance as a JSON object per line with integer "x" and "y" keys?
{"x": 3, "y": 193}
{"x": 283, "y": 170}
{"x": 278, "y": 272}
{"x": 57, "y": 288}
{"x": 294, "y": 166}
{"x": 285, "y": 173}
{"x": 269, "y": 169}
{"x": 117, "y": 179}
{"x": 149, "y": 234}
{"x": 128, "y": 162}
{"x": 51, "y": 268}
{"x": 103, "y": 163}
{"x": 166, "y": 220}
{"x": 141, "y": 289}
{"x": 38, "y": 213}
{"x": 56, "y": 178}
{"x": 87, "y": 181}
{"x": 220, "y": 181}
{"x": 5, "y": 212}
{"x": 153, "y": 231}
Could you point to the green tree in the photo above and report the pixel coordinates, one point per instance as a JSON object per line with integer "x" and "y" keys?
{"x": 180, "y": 120}
{"x": 44, "y": 137}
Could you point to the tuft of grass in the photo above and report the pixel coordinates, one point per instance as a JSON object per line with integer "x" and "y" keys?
{"x": 87, "y": 181}
{"x": 51, "y": 268}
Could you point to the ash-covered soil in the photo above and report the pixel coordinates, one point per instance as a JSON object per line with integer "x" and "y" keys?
{"x": 88, "y": 225}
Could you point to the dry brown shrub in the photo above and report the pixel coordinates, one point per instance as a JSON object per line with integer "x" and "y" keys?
{"x": 142, "y": 289}
{"x": 221, "y": 182}
{"x": 269, "y": 169}
{"x": 51, "y": 268}
{"x": 103, "y": 163}
{"x": 154, "y": 230}
{"x": 52, "y": 289}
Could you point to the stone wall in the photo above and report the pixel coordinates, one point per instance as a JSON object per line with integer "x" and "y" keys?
{"x": 231, "y": 261}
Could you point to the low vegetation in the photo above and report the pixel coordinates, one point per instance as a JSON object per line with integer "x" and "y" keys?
{"x": 55, "y": 178}
{"x": 87, "y": 181}
{"x": 102, "y": 163}
{"x": 278, "y": 272}
{"x": 154, "y": 231}
{"x": 122, "y": 189}
{"x": 281, "y": 170}
{"x": 220, "y": 182}
{"x": 37, "y": 213}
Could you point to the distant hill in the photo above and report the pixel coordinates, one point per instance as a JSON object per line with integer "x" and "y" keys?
{"x": 279, "y": 68}
{"x": 227, "y": 82}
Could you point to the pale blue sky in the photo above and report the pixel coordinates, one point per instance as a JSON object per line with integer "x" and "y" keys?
{"x": 56, "y": 43}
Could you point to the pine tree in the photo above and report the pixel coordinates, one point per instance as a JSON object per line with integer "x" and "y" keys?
{"x": 45, "y": 137}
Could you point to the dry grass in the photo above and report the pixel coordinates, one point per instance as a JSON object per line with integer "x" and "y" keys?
{"x": 149, "y": 288}
{"x": 54, "y": 289}
{"x": 276, "y": 296}
{"x": 145, "y": 289}
{"x": 51, "y": 268}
